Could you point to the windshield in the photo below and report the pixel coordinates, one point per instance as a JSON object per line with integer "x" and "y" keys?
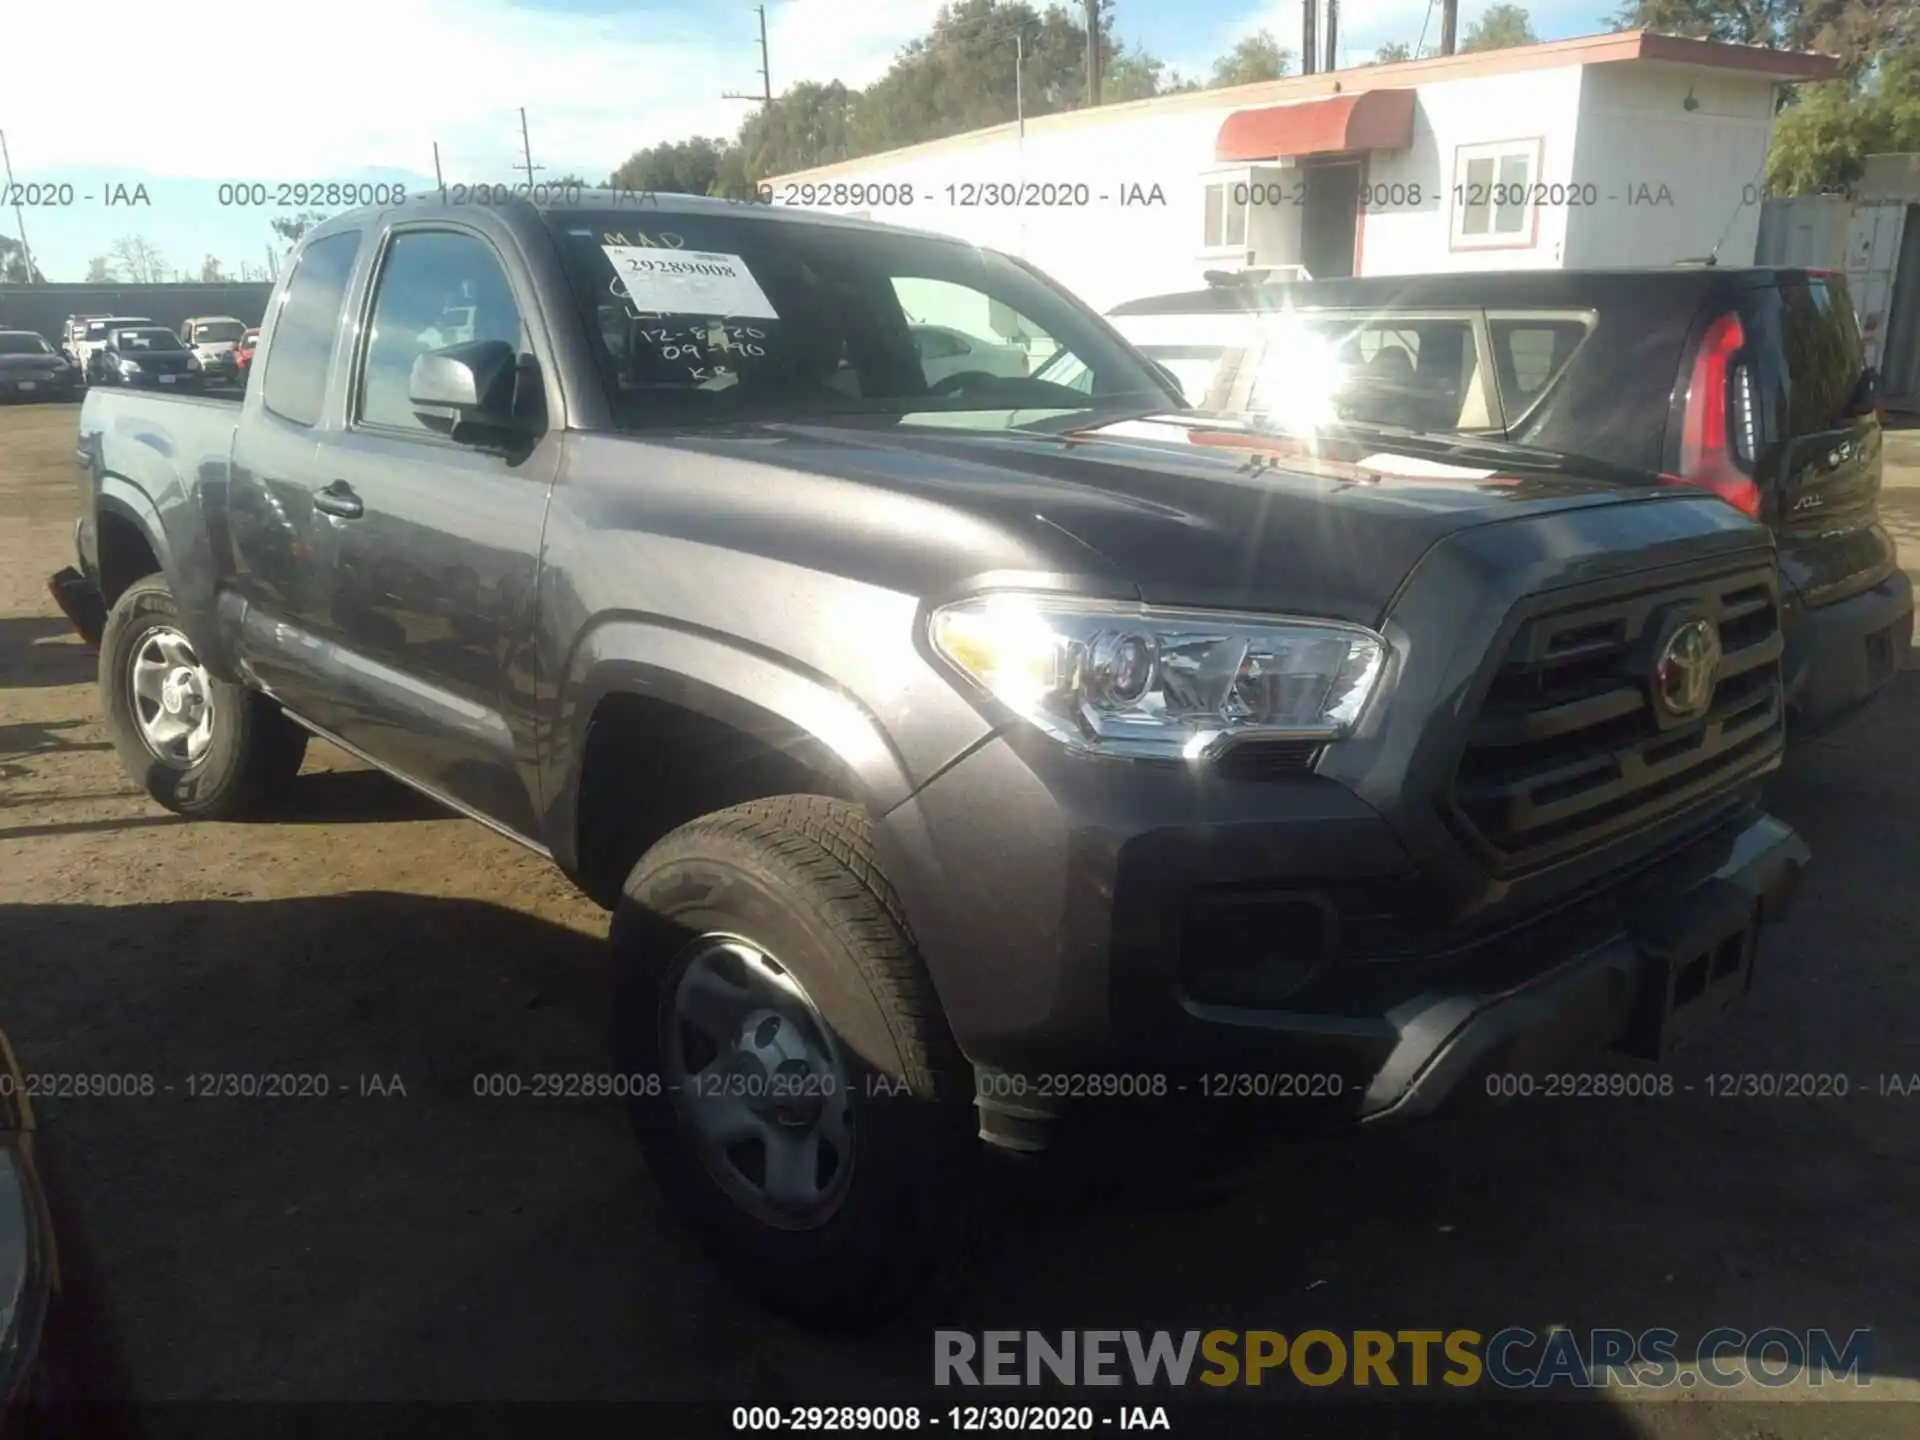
{"x": 718, "y": 318}
{"x": 16, "y": 343}
{"x": 147, "y": 340}
{"x": 218, "y": 332}
{"x": 100, "y": 329}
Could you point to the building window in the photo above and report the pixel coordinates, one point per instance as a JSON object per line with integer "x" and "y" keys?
{"x": 1491, "y": 191}
{"x": 1225, "y": 216}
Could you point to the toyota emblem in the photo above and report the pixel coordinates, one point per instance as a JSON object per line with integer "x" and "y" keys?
{"x": 1689, "y": 663}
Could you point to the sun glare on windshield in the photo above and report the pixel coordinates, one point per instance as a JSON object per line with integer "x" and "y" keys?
{"x": 1301, "y": 375}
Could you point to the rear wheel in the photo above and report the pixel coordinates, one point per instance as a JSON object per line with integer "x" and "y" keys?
{"x": 203, "y": 747}
{"x": 791, "y": 1076}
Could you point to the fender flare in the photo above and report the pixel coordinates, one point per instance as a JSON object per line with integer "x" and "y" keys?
{"x": 715, "y": 675}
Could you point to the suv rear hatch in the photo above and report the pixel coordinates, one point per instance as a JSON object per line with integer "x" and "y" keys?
{"x": 1774, "y": 409}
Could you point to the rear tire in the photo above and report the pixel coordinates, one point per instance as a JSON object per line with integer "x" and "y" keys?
{"x": 893, "y": 1184}
{"x": 236, "y": 764}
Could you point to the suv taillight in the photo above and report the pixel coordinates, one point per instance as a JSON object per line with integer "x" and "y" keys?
{"x": 1717, "y": 432}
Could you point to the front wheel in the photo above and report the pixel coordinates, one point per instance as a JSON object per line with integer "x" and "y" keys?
{"x": 791, "y": 1076}
{"x": 203, "y": 747}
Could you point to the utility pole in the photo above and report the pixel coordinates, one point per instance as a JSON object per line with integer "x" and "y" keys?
{"x": 1333, "y": 34}
{"x": 1093, "y": 52}
{"x": 1019, "y": 92}
{"x": 1309, "y": 36}
{"x": 526, "y": 149}
{"x": 19, "y": 216}
{"x": 1449, "y": 24}
{"x": 438, "y": 178}
{"x": 765, "y": 97}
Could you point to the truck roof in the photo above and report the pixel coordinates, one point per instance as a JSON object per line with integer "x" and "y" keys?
{"x": 1451, "y": 290}
{"x": 598, "y": 200}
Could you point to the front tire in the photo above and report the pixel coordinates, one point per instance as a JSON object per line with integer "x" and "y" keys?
{"x": 202, "y": 746}
{"x": 812, "y": 1116}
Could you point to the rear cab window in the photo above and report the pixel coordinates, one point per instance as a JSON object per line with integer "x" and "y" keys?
{"x": 294, "y": 385}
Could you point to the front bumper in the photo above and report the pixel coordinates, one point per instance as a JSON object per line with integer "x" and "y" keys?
{"x": 1065, "y": 908}
{"x": 1841, "y": 656}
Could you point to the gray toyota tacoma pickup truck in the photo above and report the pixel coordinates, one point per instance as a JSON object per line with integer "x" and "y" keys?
{"x": 956, "y": 758}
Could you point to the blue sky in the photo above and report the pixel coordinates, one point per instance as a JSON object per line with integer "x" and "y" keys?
{"x": 280, "y": 95}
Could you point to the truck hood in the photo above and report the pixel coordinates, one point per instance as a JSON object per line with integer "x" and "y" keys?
{"x": 1198, "y": 510}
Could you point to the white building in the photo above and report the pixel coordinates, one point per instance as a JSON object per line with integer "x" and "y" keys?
{"x": 1625, "y": 149}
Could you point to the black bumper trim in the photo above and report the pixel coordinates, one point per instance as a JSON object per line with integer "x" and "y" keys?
{"x": 1590, "y": 1002}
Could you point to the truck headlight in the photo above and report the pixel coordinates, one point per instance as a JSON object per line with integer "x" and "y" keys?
{"x": 132, "y": 367}
{"x": 1117, "y": 679}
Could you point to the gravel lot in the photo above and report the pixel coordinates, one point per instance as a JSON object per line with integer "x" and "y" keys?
{"x": 433, "y": 1245}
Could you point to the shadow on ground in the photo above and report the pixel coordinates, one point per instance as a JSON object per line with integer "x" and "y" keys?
{"x": 384, "y": 1230}
{"x": 39, "y": 650}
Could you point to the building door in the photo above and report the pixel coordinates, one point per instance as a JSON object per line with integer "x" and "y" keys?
{"x": 1329, "y": 221}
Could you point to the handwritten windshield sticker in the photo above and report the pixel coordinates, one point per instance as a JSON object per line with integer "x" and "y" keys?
{"x": 689, "y": 282}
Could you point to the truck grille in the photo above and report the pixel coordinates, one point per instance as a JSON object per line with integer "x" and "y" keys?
{"x": 1568, "y": 748}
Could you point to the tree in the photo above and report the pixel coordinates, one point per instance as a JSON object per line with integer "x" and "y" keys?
{"x": 960, "y": 76}
{"x": 1821, "y": 140}
{"x": 1854, "y": 30}
{"x": 138, "y": 259}
{"x": 1499, "y": 27}
{"x": 211, "y": 272}
{"x": 1254, "y": 58}
{"x": 100, "y": 271}
{"x": 678, "y": 167}
{"x": 14, "y": 266}
{"x": 1392, "y": 53}
{"x": 810, "y": 124}
{"x": 291, "y": 227}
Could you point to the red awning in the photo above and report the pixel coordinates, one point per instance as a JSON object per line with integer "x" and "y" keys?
{"x": 1371, "y": 120}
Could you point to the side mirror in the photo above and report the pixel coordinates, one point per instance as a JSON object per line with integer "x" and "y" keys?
{"x": 1865, "y": 399}
{"x": 469, "y": 392}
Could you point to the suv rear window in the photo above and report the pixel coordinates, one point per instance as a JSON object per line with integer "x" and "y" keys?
{"x": 1529, "y": 353}
{"x": 1823, "y": 352}
{"x": 1416, "y": 372}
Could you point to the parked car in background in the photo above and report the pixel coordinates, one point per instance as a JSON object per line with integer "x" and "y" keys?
{"x": 946, "y": 748}
{"x": 151, "y": 357}
{"x": 1751, "y": 383}
{"x": 93, "y": 339}
{"x": 31, "y": 369}
{"x": 243, "y": 354}
{"x": 214, "y": 340}
{"x": 945, "y": 351}
{"x": 72, "y": 332}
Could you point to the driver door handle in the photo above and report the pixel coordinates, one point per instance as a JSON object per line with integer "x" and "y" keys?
{"x": 339, "y": 499}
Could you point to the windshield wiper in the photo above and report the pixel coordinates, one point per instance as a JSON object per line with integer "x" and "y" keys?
{"x": 1452, "y": 442}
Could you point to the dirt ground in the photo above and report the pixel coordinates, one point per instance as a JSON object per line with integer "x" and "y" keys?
{"x": 425, "y": 1243}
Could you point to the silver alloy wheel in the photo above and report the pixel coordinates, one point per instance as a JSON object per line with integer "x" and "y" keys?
{"x": 172, "y": 698}
{"x": 758, "y": 1082}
